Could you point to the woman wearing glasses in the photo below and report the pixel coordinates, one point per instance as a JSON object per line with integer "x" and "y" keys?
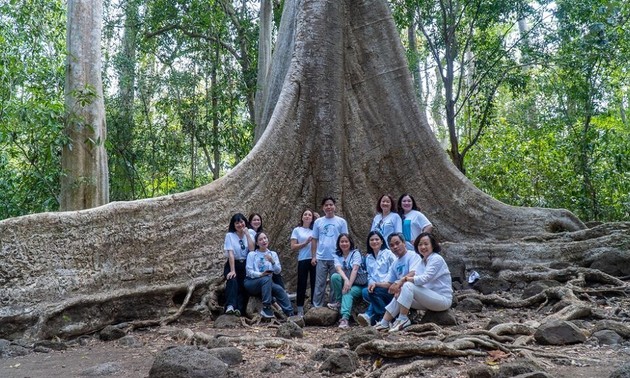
{"x": 386, "y": 221}
{"x": 414, "y": 222}
{"x": 238, "y": 243}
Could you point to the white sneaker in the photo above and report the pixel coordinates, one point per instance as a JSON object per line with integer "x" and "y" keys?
{"x": 399, "y": 325}
{"x": 364, "y": 320}
{"x": 333, "y": 305}
{"x": 229, "y": 310}
{"x": 381, "y": 326}
{"x": 343, "y": 323}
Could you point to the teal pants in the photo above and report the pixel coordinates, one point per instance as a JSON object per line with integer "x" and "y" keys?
{"x": 336, "y": 284}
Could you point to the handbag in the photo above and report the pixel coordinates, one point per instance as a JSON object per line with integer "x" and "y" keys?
{"x": 362, "y": 277}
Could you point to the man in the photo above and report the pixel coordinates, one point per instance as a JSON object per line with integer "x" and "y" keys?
{"x": 326, "y": 230}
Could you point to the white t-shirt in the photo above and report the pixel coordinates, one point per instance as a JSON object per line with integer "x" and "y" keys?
{"x": 236, "y": 244}
{"x": 403, "y": 265}
{"x": 412, "y": 225}
{"x": 257, "y": 264}
{"x": 387, "y": 225}
{"x": 301, "y": 234}
{"x": 326, "y": 231}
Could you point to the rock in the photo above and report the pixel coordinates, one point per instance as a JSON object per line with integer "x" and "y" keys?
{"x": 607, "y": 337}
{"x": 622, "y": 371}
{"x": 54, "y": 345}
{"x": 41, "y": 349}
{"x": 470, "y": 305}
{"x": 512, "y": 369}
{"x": 445, "y": 318}
{"x": 534, "y": 374}
{"x": 322, "y": 354}
{"x": 111, "y": 333}
{"x": 108, "y": 368}
{"x": 130, "y": 341}
{"x": 297, "y": 320}
{"x": 537, "y": 287}
{"x": 341, "y": 361}
{"x": 321, "y": 316}
{"x": 489, "y": 285}
{"x": 358, "y": 336}
{"x": 481, "y": 372}
{"x": 615, "y": 263}
{"x": 187, "y": 362}
{"x": 559, "y": 332}
{"x": 229, "y": 355}
{"x": 272, "y": 367}
{"x": 228, "y": 321}
{"x": 457, "y": 267}
{"x": 289, "y": 330}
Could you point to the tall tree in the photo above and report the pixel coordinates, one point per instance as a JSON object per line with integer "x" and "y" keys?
{"x": 84, "y": 178}
{"x": 346, "y": 123}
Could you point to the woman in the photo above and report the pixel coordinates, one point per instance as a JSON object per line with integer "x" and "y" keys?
{"x": 256, "y": 226}
{"x": 238, "y": 243}
{"x": 344, "y": 290}
{"x": 429, "y": 288}
{"x": 301, "y": 238}
{"x": 378, "y": 263}
{"x": 413, "y": 221}
{"x": 261, "y": 265}
{"x": 386, "y": 221}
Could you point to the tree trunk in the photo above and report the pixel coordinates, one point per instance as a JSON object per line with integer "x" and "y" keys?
{"x": 84, "y": 179}
{"x": 345, "y": 123}
{"x": 264, "y": 61}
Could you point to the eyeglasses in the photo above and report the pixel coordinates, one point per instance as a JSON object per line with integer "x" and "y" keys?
{"x": 242, "y": 244}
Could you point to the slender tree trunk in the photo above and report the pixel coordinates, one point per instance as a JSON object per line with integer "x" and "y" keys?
{"x": 84, "y": 180}
{"x": 264, "y": 61}
{"x": 216, "y": 152}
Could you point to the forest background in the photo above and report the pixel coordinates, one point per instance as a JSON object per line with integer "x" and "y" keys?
{"x": 528, "y": 98}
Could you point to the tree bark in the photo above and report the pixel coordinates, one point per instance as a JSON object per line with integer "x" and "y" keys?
{"x": 84, "y": 177}
{"x": 264, "y": 61}
{"x": 345, "y": 123}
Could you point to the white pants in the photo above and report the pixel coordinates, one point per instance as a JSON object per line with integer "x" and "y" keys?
{"x": 418, "y": 297}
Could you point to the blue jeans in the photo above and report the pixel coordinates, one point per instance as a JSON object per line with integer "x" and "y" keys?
{"x": 378, "y": 299}
{"x": 235, "y": 294}
{"x": 268, "y": 290}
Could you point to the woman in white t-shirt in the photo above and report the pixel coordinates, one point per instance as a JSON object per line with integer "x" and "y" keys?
{"x": 301, "y": 238}
{"x": 413, "y": 221}
{"x": 238, "y": 243}
{"x": 386, "y": 221}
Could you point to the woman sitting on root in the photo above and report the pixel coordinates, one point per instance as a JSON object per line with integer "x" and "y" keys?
{"x": 430, "y": 288}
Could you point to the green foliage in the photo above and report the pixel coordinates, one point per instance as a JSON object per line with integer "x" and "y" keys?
{"x": 32, "y": 48}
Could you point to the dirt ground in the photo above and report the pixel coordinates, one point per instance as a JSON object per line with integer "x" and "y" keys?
{"x": 582, "y": 360}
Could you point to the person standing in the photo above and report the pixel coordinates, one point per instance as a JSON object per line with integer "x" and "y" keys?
{"x": 326, "y": 230}
{"x": 378, "y": 262}
{"x": 386, "y": 221}
{"x": 238, "y": 242}
{"x": 413, "y": 221}
{"x": 301, "y": 238}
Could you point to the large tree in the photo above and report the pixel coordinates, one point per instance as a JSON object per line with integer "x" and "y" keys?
{"x": 344, "y": 123}
{"x": 84, "y": 177}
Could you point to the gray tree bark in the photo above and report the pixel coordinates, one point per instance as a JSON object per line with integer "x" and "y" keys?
{"x": 84, "y": 178}
{"x": 345, "y": 123}
{"x": 264, "y": 61}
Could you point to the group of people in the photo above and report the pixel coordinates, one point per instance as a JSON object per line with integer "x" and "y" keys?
{"x": 402, "y": 268}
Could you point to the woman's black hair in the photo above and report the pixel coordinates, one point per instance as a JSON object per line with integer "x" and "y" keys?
{"x": 301, "y": 223}
{"x": 237, "y": 218}
{"x": 394, "y": 209}
{"x": 251, "y": 216}
{"x": 414, "y": 206}
{"x": 434, "y": 243}
{"x": 338, "y": 251}
{"x": 380, "y": 236}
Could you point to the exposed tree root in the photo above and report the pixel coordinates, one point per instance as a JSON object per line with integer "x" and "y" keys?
{"x": 562, "y": 275}
{"x": 412, "y": 348}
{"x": 412, "y": 369}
